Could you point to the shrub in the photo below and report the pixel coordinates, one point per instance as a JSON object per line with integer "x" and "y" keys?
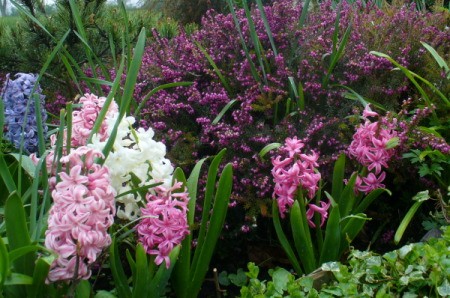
{"x": 262, "y": 111}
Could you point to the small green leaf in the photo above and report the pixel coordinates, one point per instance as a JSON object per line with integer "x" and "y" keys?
{"x": 392, "y": 143}
{"x": 268, "y": 148}
{"x": 444, "y": 288}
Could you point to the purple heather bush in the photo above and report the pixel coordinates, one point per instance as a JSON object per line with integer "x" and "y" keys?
{"x": 183, "y": 116}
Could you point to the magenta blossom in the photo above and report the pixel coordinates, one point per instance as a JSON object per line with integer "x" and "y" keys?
{"x": 164, "y": 221}
{"x": 323, "y": 211}
{"x": 369, "y": 148}
{"x": 296, "y": 170}
{"x": 81, "y": 214}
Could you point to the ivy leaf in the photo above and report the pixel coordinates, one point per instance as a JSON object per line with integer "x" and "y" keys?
{"x": 444, "y": 289}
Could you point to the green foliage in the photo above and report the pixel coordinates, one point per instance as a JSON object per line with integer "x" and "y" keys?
{"x": 420, "y": 269}
{"x": 345, "y": 221}
{"x": 192, "y": 266}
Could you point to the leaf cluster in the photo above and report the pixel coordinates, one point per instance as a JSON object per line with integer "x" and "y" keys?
{"x": 419, "y": 269}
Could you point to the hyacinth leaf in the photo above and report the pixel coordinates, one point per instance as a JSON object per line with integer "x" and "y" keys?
{"x": 18, "y": 279}
{"x": 156, "y": 89}
{"x": 180, "y": 276}
{"x": 157, "y": 286}
{"x": 4, "y": 263}
{"x": 367, "y": 200}
{"x": 27, "y": 164}
{"x": 17, "y": 233}
{"x": 267, "y": 27}
{"x": 244, "y": 45}
{"x": 129, "y": 87}
{"x": 214, "y": 66}
{"x": 39, "y": 288}
{"x": 192, "y": 183}
{"x": 440, "y": 61}
{"x": 207, "y": 204}
{"x": 141, "y": 276}
{"x": 432, "y": 87}
{"x": 351, "y": 229}
{"x": 331, "y": 243}
{"x": 120, "y": 279}
{"x": 101, "y": 116}
{"x": 302, "y": 237}
{"x": 20, "y": 252}
{"x": 255, "y": 39}
{"x": 298, "y": 93}
{"x": 338, "y": 177}
{"x": 337, "y": 53}
{"x": 347, "y": 199}
{"x": 83, "y": 37}
{"x": 126, "y": 37}
{"x": 2, "y": 116}
{"x": 304, "y": 14}
{"x": 268, "y": 148}
{"x": 408, "y": 75}
{"x": 83, "y": 289}
{"x": 283, "y": 239}
{"x": 7, "y": 178}
{"x": 35, "y": 224}
{"x": 217, "y": 219}
{"x": 353, "y": 95}
{"x": 223, "y": 111}
{"x": 419, "y": 198}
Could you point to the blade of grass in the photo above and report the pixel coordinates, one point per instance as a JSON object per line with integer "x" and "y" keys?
{"x": 266, "y": 26}
{"x": 214, "y": 66}
{"x": 253, "y": 70}
{"x": 223, "y": 111}
{"x": 304, "y": 14}
{"x": 440, "y": 61}
{"x": 255, "y": 40}
{"x": 156, "y": 89}
{"x": 129, "y": 87}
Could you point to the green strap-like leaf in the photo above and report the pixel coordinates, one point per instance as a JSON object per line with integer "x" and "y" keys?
{"x": 338, "y": 178}
{"x": 302, "y": 236}
{"x": 141, "y": 279}
{"x": 17, "y": 232}
{"x": 331, "y": 244}
{"x": 283, "y": 239}
{"x": 120, "y": 279}
{"x": 207, "y": 205}
{"x": 215, "y": 225}
{"x": 4, "y": 263}
{"x": 158, "y": 284}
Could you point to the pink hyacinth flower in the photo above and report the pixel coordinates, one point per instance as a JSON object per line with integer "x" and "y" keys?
{"x": 290, "y": 173}
{"x": 164, "y": 221}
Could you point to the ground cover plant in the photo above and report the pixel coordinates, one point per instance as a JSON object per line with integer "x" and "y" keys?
{"x": 296, "y": 124}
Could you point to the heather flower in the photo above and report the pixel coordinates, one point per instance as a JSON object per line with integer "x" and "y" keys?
{"x": 20, "y": 111}
{"x": 83, "y": 209}
{"x": 290, "y": 173}
{"x": 163, "y": 224}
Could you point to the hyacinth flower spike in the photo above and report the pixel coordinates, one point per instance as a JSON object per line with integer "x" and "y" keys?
{"x": 20, "y": 111}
